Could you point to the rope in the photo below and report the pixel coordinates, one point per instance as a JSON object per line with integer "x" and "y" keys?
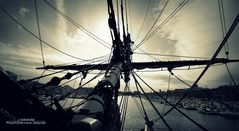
{"x": 42, "y": 76}
{"x": 117, "y": 115}
{"x": 179, "y": 79}
{"x": 181, "y": 5}
{"x": 124, "y": 107}
{"x": 121, "y": 100}
{"x": 68, "y": 76}
{"x": 129, "y": 1}
{"x": 181, "y": 56}
{"x": 152, "y": 25}
{"x": 75, "y": 93}
{"x": 147, "y": 37}
{"x": 80, "y": 103}
{"x": 122, "y": 17}
{"x": 118, "y": 21}
{"x": 148, "y": 54}
{"x": 144, "y": 111}
{"x": 90, "y": 61}
{"x": 138, "y": 106}
{"x": 39, "y": 79}
{"x": 145, "y": 16}
{"x": 231, "y": 76}
{"x": 127, "y": 25}
{"x": 71, "y": 79}
{"x": 152, "y": 104}
{"x": 223, "y": 25}
{"x": 96, "y": 76}
{"x": 39, "y": 32}
{"x": 64, "y": 96}
{"x": 169, "y": 79}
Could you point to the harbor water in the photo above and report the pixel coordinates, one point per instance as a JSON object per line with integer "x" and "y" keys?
{"x": 135, "y": 121}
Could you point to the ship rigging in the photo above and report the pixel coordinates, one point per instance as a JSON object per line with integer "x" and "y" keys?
{"x": 101, "y": 109}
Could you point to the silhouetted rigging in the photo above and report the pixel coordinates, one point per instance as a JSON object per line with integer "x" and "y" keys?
{"x": 100, "y": 109}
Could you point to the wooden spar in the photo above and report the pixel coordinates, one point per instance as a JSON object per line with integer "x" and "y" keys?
{"x": 140, "y": 65}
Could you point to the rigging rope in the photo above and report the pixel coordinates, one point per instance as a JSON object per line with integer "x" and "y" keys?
{"x": 231, "y": 75}
{"x": 122, "y": 17}
{"x": 96, "y": 76}
{"x": 181, "y": 5}
{"x": 126, "y": 13}
{"x": 151, "y": 28}
{"x": 180, "y": 79}
{"x": 175, "y": 11}
{"x": 223, "y": 25}
{"x": 118, "y": 21}
{"x": 67, "y": 97}
{"x": 117, "y": 115}
{"x": 39, "y": 77}
{"x": 145, "y": 16}
{"x": 75, "y": 93}
{"x": 153, "y": 23}
{"x": 181, "y": 56}
{"x": 169, "y": 80}
{"x": 148, "y": 54}
{"x": 90, "y": 61}
{"x": 124, "y": 108}
{"x": 138, "y": 105}
{"x": 39, "y": 32}
{"x": 130, "y": 20}
{"x": 68, "y": 76}
{"x": 151, "y": 103}
{"x": 71, "y": 79}
{"x": 81, "y": 71}
{"x": 121, "y": 100}
{"x": 34, "y": 88}
{"x": 146, "y": 118}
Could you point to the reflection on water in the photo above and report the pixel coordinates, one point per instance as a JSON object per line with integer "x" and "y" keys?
{"x": 135, "y": 121}
{"x": 177, "y": 121}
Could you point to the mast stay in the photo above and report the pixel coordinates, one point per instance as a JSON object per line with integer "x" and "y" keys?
{"x": 100, "y": 110}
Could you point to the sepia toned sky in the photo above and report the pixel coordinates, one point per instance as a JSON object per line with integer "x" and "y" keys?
{"x": 194, "y": 31}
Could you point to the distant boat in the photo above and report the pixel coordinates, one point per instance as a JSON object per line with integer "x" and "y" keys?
{"x": 230, "y": 114}
{"x": 188, "y": 106}
{"x": 208, "y": 111}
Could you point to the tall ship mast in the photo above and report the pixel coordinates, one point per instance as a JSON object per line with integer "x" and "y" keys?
{"x": 101, "y": 110}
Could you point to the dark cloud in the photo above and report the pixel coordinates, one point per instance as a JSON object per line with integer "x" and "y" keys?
{"x": 24, "y": 12}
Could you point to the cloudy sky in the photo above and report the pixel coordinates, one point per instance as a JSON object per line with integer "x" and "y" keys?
{"x": 194, "y": 31}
